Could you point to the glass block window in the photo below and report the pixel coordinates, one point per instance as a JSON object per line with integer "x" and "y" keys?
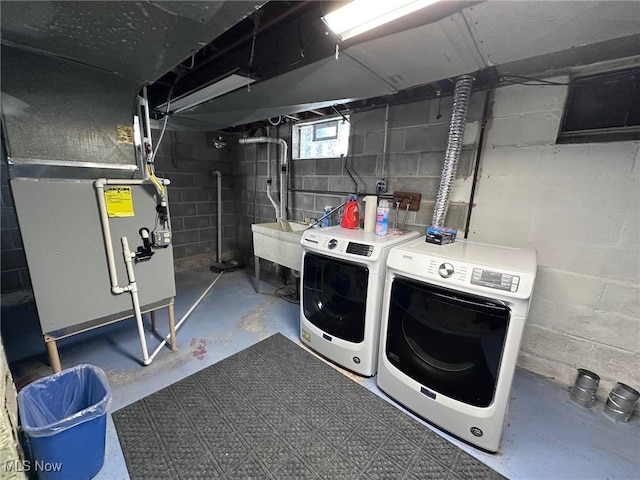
{"x": 326, "y": 138}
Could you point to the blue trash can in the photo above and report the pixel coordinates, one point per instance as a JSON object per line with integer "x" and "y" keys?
{"x": 64, "y": 417}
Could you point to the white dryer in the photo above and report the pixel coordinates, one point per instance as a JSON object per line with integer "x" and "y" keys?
{"x": 342, "y": 278}
{"x": 452, "y": 321}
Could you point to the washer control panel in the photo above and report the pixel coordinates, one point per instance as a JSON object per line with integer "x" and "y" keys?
{"x": 342, "y": 245}
{"x": 361, "y": 249}
{"x": 501, "y": 281}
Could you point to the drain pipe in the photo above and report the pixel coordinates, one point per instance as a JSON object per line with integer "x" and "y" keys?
{"x": 276, "y": 205}
{"x": 461, "y": 96}
{"x": 133, "y": 290}
{"x": 283, "y": 172}
{"x": 218, "y": 174}
{"x": 132, "y": 287}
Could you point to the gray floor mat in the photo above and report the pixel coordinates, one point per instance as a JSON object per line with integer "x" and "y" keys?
{"x": 274, "y": 411}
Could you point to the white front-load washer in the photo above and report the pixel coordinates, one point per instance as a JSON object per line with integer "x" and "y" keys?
{"x": 342, "y": 278}
{"x": 452, "y": 321}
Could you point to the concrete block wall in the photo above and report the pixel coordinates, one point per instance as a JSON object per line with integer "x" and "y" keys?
{"x": 251, "y": 204}
{"x": 579, "y": 206}
{"x": 15, "y": 282}
{"x": 188, "y": 159}
{"x": 416, "y": 143}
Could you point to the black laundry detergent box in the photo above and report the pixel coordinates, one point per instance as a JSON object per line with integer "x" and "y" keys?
{"x": 441, "y": 235}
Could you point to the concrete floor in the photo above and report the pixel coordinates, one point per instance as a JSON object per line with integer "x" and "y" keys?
{"x": 546, "y": 436}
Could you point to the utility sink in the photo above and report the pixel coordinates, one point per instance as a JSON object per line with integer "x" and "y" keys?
{"x": 278, "y": 245}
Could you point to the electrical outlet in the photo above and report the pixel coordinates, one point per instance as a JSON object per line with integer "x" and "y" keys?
{"x": 161, "y": 238}
{"x": 381, "y": 186}
{"x": 410, "y": 198}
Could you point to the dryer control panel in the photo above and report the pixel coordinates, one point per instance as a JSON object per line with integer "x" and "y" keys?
{"x": 504, "y": 273}
{"x": 501, "y": 281}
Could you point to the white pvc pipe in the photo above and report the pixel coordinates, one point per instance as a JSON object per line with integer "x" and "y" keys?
{"x": 133, "y": 289}
{"x": 283, "y": 169}
{"x": 99, "y": 185}
{"x": 106, "y": 233}
{"x": 184, "y": 317}
{"x": 276, "y": 206}
{"x": 218, "y": 174}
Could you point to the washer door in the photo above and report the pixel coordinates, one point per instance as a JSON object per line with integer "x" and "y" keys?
{"x": 334, "y": 296}
{"x": 447, "y": 341}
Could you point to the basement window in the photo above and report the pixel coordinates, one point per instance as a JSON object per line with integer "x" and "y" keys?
{"x": 326, "y": 138}
{"x": 602, "y": 108}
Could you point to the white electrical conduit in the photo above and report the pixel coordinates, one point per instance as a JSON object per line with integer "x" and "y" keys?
{"x": 132, "y": 287}
{"x": 185, "y": 316}
{"x": 283, "y": 171}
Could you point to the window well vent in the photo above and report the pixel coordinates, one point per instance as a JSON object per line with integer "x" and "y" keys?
{"x": 602, "y": 108}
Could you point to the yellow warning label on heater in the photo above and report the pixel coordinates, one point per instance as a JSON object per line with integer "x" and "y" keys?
{"x": 119, "y": 201}
{"x": 124, "y": 134}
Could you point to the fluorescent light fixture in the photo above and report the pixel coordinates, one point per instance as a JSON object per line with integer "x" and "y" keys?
{"x": 216, "y": 89}
{"x": 360, "y": 16}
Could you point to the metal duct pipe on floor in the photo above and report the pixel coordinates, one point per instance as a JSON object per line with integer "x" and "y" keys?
{"x": 461, "y": 96}
{"x": 282, "y": 215}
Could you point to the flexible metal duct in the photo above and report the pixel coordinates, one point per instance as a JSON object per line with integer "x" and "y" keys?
{"x": 461, "y": 97}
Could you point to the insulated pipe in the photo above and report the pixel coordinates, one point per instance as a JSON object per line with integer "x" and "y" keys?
{"x": 283, "y": 169}
{"x": 184, "y": 317}
{"x": 218, "y": 174}
{"x": 133, "y": 289}
{"x": 461, "y": 96}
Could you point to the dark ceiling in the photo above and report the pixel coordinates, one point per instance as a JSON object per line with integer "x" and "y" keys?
{"x": 278, "y": 38}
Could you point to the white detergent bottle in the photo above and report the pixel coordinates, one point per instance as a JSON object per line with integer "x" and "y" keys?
{"x": 382, "y": 218}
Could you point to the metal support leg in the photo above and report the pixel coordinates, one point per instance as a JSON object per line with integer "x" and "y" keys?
{"x": 52, "y": 349}
{"x": 257, "y": 269}
{"x": 172, "y": 326}
{"x": 153, "y": 320}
